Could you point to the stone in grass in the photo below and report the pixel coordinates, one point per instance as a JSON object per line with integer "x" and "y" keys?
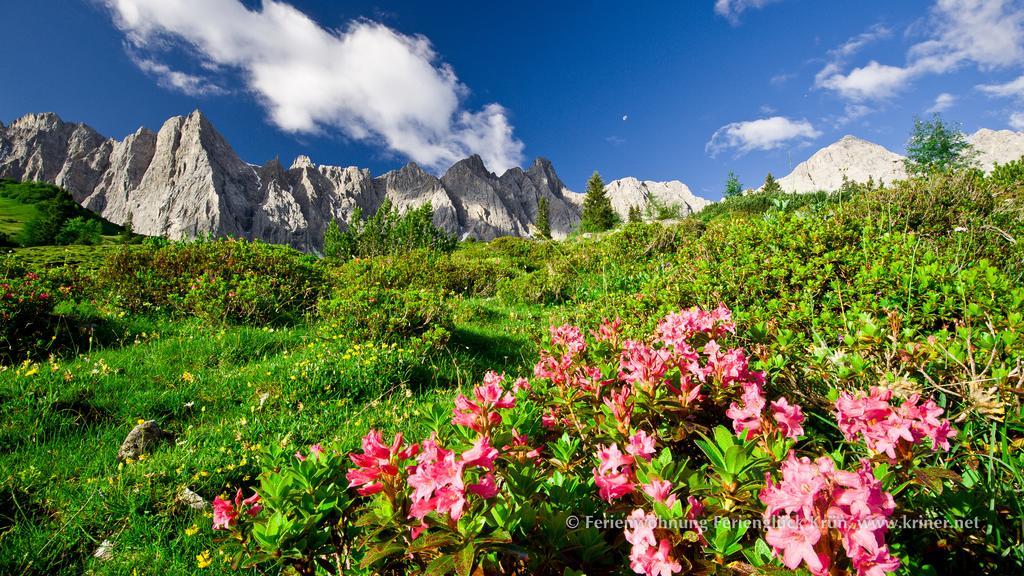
{"x": 191, "y": 499}
{"x": 105, "y": 551}
{"x": 142, "y": 439}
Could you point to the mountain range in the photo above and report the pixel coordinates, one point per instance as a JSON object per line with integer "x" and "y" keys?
{"x": 857, "y": 160}
{"x": 185, "y": 180}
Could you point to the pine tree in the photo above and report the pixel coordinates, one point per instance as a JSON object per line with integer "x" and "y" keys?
{"x": 635, "y": 214}
{"x": 771, "y": 185}
{"x": 733, "y": 186}
{"x": 543, "y": 219}
{"x": 127, "y": 235}
{"x": 334, "y": 241}
{"x": 598, "y": 214}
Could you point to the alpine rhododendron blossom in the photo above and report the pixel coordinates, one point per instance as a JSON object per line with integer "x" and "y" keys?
{"x": 642, "y": 366}
{"x": 816, "y": 511}
{"x": 437, "y": 483}
{"x": 892, "y": 430}
{"x": 608, "y": 331}
{"x": 482, "y": 454}
{"x": 482, "y": 413}
{"x": 225, "y": 512}
{"x": 569, "y": 337}
{"x": 746, "y": 418}
{"x": 641, "y": 445}
{"x": 614, "y": 473}
{"x": 788, "y": 417}
{"x": 660, "y": 491}
{"x": 379, "y": 463}
{"x": 648, "y": 555}
{"x": 678, "y": 328}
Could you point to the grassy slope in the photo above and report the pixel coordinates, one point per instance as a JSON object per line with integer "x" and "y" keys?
{"x": 226, "y": 390}
{"x": 14, "y": 215}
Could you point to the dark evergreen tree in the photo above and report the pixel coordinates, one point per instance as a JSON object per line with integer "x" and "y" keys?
{"x": 635, "y": 214}
{"x": 543, "y": 219}
{"x": 771, "y": 185}
{"x": 733, "y": 186}
{"x": 598, "y": 214}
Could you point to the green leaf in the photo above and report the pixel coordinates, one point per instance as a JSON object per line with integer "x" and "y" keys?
{"x": 464, "y": 560}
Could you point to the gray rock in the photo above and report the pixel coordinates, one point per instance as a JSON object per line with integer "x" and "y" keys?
{"x": 189, "y": 498}
{"x": 143, "y": 438}
{"x": 627, "y": 192}
{"x": 105, "y": 551}
{"x": 185, "y": 181}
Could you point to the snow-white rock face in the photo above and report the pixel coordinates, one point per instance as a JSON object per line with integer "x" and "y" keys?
{"x": 855, "y": 159}
{"x": 625, "y": 193}
{"x": 996, "y": 146}
{"x": 185, "y": 181}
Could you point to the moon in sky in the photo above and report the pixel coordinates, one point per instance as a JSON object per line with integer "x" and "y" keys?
{"x": 625, "y": 117}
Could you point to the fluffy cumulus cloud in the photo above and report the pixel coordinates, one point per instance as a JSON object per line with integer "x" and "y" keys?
{"x": 942, "y": 103}
{"x": 731, "y": 9}
{"x": 763, "y": 134}
{"x": 370, "y": 82}
{"x": 1017, "y": 120}
{"x": 988, "y": 34}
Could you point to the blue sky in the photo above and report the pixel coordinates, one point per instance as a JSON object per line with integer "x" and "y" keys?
{"x": 663, "y": 90}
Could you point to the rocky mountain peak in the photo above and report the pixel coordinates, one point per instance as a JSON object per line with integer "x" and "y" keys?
{"x": 301, "y": 161}
{"x": 185, "y": 180}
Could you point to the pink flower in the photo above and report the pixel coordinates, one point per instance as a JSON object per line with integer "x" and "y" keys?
{"x": 746, "y": 419}
{"x": 225, "y": 514}
{"x": 621, "y": 406}
{"x": 887, "y": 429}
{"x": 660, "y": 491}
{"x": 676, "y": 329}
{"x": 614, "y": 474}
{"x": 789, "y": 418}
{"x": 815, "y": 494}
{"x": 378, "y": 462}
{"x": 521, "y": 441}
{"x": 570, "y": 337}
{"x": 481, "y": 454}
{"x": 641, "y": 446}
{"x": 608, "y": 331}
{"x": 487, "y": 487}
{"x": 437, "y": 483}
{"x": 642, "y": 366}
{"x": 481, "y": 413}
{"x": 796, "y": 542}
{"x": 640, "y": 527}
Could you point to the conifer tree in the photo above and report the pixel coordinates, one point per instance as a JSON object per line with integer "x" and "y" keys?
{"x": 635, "y": 214}
{"x": 543, "y": 219}
{"x": 771, "y": 185}
{"x": 733, "y": 186}
{"x": 598, "y": 214}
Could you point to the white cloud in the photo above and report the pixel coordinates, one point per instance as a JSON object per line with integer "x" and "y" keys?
{"x": 942, "y": 103}
{"x": 368, "y": 81}
{"x": 1017, "y": 120}
{"x": 988, "y": 34}
{"x": 871, "y": 82}
{"x": 176, "y": 80}
{"x": 763, "y": 134}
{"x": 731, "y": 9}
{"x": 1011, "y": 89}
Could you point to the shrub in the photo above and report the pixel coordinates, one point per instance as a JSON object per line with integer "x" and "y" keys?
{"x": 381, "y": 314}
{"x": 389, "y": 231}
{"x": 31, "y": 321}
{"x": 79, "y": 230}
{"x": 655, "y": 454}
{"x": 220, "y": 280}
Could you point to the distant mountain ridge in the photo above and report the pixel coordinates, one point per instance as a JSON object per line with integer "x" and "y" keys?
{"x": 857, "y": 160}
{"x": 185, "y": 180}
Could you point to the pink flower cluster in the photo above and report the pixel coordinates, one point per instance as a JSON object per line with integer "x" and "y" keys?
{"x": 748, "y": 419}
{"x": 649, "y": 555}
{"x": 816, "y": 510}
{"x": 481, "y": 414}
{"x": 678, "y": 328}
{"x": 889, "y": 429}
{"x": 378, "y": 464}
{"x": 225, "y": 513}
{"x": 614, "y": 473}
{"x": 437, "y": 480}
